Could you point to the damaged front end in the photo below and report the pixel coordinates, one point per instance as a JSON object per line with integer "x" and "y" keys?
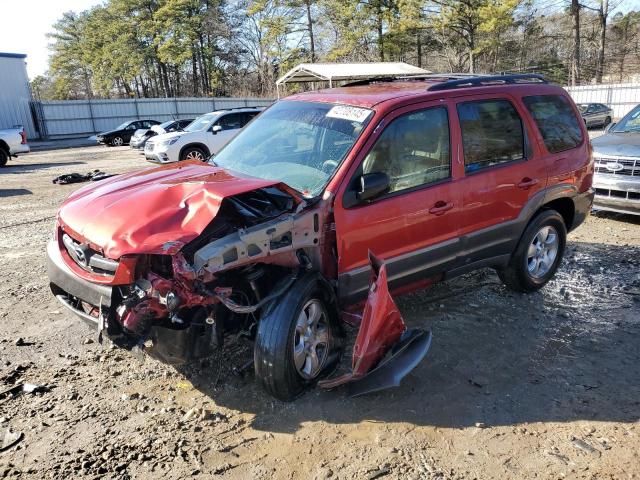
{"x": 179, "y": 298}
{"x": 186, "y": 301}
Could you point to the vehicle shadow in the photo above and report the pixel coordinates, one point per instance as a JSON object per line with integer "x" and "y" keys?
{"x": 14, "y": 192}
{"x": 568, "y": 352}
{"x": 23, "y": 167}
{"x": 620, "y": 217}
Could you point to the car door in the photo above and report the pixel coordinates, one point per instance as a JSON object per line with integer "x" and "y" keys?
{"x": 229, "y": 125}
{"x": 414, "y": 226}
{"x": 503, "y": 169}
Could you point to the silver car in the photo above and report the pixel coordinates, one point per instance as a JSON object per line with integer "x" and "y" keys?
{"x": 617, "y": 166}
{"x": 595, "y": 114}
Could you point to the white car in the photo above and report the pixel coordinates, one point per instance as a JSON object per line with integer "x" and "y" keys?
{"x": 12, "y": 142}
{"x": 205, "y": 136}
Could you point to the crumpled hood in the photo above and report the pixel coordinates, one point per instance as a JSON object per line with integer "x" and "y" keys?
{"x": 153, "y": 210}
{"x": 623, "y": 144}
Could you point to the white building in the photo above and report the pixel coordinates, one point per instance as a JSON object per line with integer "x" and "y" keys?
{"x": 15, "y": 94}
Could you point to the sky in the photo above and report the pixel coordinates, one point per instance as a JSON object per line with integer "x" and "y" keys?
{"x": 25, "y": 24}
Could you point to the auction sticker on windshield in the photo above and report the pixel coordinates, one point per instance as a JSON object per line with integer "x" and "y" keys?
{"x": 353, "y": 114}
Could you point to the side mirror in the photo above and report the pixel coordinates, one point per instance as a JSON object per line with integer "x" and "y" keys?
{"x": 373, "y": 185}
{"x": 608, "y": 127}
{"x": 216, "y": 129}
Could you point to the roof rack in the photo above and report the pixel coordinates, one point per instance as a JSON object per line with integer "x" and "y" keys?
{"x": 488, "y": 80}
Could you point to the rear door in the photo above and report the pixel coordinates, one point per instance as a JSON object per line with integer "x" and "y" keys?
{"x": 563, "y": 140}
{"x": 413, "y": 227}
{"x": 503, "y": 169}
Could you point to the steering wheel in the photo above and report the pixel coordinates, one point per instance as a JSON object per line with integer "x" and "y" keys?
{"x": 329, "y": 165}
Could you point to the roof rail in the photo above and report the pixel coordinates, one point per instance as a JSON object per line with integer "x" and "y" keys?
{"x": 488, "y": 81}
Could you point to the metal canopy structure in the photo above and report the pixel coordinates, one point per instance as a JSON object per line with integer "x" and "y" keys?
{"x": 336, "y": 72}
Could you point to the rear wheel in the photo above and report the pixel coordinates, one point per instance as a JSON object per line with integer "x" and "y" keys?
{"x": 4, "y": 157}
{"x": 117, "y": 141}
{"x": 538, "y": 253}
{"x": 297, "y": 338}
{"x": 193, "y": 153}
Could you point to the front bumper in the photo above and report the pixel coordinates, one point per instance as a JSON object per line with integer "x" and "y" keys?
{"x": 137, "y": 143}
{"x": 157, "y": 157}
{"x": 69, "y": 288}
{"x": 617, "y": 193}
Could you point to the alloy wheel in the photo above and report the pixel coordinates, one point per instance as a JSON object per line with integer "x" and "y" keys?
{"x": 311, "y": 340}
{"x": 117, "y": 142}
{"x": 194, "y": 155}
{"x": 542, "y": 252}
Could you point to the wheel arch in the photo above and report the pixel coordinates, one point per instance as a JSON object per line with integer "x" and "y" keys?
{"x": 4, "y": 146}
{"x": 565, "y": 206}
{"x": 199, "y": 145}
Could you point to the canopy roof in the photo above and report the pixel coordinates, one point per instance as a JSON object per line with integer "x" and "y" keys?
{"x": 333, "y": 72}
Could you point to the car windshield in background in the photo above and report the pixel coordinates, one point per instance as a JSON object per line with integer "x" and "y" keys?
{"x": 122, "y": 126}
{"x": 629, "y": 123}
{"x": 582, "y": 108}
{"x": 166, "y": 124}
{"x": 200, "y": 124}
{"x": 298, "y": 143}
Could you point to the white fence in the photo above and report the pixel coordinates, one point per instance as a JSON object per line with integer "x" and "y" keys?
{"x": 621, "y": 97}
{"x": 77, "y": 118}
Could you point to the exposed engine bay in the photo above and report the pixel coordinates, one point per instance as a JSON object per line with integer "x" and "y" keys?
{"x": 186, "y": 301}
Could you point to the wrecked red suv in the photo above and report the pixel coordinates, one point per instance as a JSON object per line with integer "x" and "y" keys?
{"x": 319, "y": 209}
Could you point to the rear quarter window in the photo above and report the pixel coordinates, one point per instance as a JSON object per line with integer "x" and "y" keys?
{"x": 556, "y": 121}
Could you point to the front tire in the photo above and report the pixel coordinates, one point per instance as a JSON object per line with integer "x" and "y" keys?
{"x": 117, "y": 142}
{"x": 607, "y": 121}
{"x": 193, "y": 153}
{"x": 538, "y": 254}
{"x": 4, "y": 157}
{"x": 298, "y": 338}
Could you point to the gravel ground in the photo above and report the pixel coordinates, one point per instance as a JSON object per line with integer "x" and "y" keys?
{"x": 515, "y": 386}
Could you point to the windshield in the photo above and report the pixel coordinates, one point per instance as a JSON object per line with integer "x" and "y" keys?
{"x": 298, "y": 143}
{"x": 122, "y": 126}
{"x": 582, "y": 107}
{"x": 200, "y": 124}
{"x": 166, "y": 124}
{"x": 629, "y": 123}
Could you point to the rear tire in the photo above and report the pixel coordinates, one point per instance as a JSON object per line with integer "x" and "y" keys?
{"x": 538, "y": 254}
{"x": 4, "y": 157}
{"x": 285, "y": 333}
{"x": 193, "y": 153}
{"x": 117, "y": 142}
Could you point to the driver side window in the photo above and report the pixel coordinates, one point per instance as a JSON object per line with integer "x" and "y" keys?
{"x": 413, "y": 150}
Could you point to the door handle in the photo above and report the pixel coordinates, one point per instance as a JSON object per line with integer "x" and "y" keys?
{"x": 440, "y": 207}
{"x": 526, "y": 183}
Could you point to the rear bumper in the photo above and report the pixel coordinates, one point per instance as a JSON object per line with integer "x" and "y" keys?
{"x": 617, "y": 193}
{"x": 582, "y": 204}
{"x": 22, "y": 148}
{"x": 68, "y": 287}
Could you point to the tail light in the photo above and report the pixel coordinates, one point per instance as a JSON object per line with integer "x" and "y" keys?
{"x": 23, "y": 134}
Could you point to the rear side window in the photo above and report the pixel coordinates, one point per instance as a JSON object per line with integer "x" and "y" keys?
{"x": 413, "y": 150}
{"x": 556, "y": 121}
{"x": 491, "y": 133}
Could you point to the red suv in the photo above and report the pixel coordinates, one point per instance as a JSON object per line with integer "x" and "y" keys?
{"x": 322, "y": 206}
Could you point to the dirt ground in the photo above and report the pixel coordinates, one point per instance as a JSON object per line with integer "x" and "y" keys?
{"x": 515, "y": 386}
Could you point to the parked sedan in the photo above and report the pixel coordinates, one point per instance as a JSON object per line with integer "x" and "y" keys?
{"x": 595, "y": 114}
{"x": 122, "y": 133}
{"x": 617, "y": 166}
{"x": 140, "y": 137}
